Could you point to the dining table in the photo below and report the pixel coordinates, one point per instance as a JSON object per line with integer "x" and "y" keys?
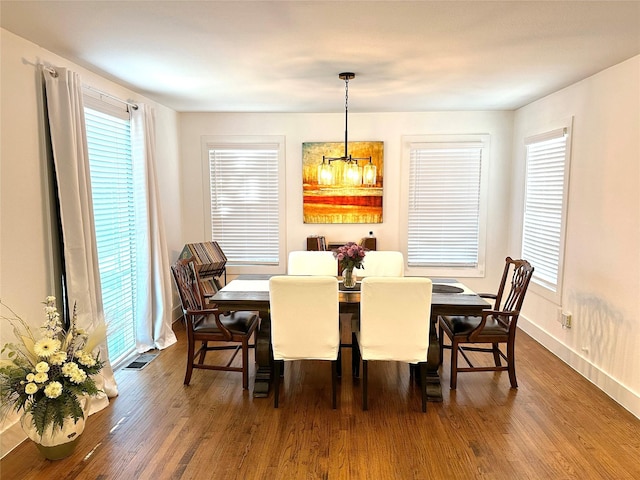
{"x": 251, "y": 292}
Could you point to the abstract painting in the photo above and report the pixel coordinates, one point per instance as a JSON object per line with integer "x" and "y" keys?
{"x": 340, "y": 202}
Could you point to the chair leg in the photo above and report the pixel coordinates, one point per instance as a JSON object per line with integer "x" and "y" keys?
{"x": 365, "y": 381}
{"x": 422, "y": 366}
{"x": 339, "y": 363}
{"x": 334, "y": 383}
{"x": 203, "y": 352}
{"x": 440, "y": 343}
{"x": 245, "y": 364}
{"x": 190, "y": 354}
{"x": 276, "y": 382}
{"x": 511, "y": 361}
{"x": 453, "y": 382}
{"x": 355, "y": 356}
{"x": 496, "y": 355}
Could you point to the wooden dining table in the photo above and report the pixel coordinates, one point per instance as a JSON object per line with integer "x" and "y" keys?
{"x": 251, "y": 292}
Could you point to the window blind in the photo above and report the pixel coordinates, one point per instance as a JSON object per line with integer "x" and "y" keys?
{"x": 544, "y": 205}
{"x": 245, "y": 202}
{"x": 109, "y": 144}
{"x": 444, "y": 204}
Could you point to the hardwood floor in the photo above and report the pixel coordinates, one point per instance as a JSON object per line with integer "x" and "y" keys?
{"x": 557, "y": 425}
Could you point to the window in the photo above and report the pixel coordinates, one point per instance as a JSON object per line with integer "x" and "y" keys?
{"x": 546, "y": 184}
{"x": 244, "y": 205}
{"x": 109, "y": 144}
{"x": 445, "y": 207}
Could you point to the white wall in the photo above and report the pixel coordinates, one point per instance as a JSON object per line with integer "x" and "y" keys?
{"x": 387, "y": 127}
{"x": 602, "y": 254}
{"x": 26, "y": 275}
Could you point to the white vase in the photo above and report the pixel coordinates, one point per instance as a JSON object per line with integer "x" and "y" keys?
{"x": 55, "y": 442}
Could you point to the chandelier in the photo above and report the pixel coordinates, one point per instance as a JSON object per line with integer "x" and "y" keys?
{"x": 352, "y": 173}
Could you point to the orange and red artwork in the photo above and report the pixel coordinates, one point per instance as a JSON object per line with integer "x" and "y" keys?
{"x": 338, "y": 202}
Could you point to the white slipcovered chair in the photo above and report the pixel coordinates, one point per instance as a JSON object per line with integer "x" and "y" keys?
{"x": 312, "y": 263}
{"x": 394, "y": 325}
{"x": 382, "y": 263}
{"x": 304, "y": 323}
{"x": 376, "y": 263}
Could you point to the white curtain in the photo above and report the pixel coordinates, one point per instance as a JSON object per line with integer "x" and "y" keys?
{"x": 71, "y": 159}
{"x": 153, "y": 315}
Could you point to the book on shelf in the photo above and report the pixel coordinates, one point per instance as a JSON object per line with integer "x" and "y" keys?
{"x": 368, "y": 243}
{"x": 316, "y": 242}
{"x": 210, "y": 262}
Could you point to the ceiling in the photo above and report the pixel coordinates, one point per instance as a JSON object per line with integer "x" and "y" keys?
{"x": 285, "y": 56}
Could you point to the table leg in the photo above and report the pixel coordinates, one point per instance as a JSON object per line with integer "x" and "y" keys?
{"x": 434, "y": 388}
{"x": 264, "y": 366}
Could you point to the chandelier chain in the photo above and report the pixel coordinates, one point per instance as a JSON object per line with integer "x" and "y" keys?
{"x": 346, "y": 94}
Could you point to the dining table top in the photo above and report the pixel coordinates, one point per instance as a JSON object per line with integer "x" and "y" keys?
{"x": 253, "y": 290}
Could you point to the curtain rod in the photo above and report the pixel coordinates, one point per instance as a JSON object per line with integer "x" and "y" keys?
{"x": 52, "y": 71}
{"x": 112, "y": 97}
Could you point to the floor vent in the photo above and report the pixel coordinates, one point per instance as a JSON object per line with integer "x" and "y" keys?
{"x": 142, "y": 361}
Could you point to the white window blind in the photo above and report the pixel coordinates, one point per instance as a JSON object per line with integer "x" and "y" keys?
{"x": 444, "y": 204}
{"x": 109, "y": 143}
{"x": 543, "y": 224}
{"x": 244, "y": 182}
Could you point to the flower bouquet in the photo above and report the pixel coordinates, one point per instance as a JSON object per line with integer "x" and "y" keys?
{"x": 49, "y": 377}
{"x": 350, "y": 256}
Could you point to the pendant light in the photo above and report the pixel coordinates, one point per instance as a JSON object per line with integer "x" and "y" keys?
{"x": 353, "y": 174}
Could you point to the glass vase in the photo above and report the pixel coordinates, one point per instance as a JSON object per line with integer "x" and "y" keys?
{"x": 349, "y": 277}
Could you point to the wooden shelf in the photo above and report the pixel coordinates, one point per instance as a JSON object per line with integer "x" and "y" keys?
{"x": 210, "y": 262}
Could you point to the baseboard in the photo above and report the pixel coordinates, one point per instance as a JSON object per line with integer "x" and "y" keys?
{"x": 176, "y": 314}
{"x": 12, "y": 435}
{"x": 609, "y": 385}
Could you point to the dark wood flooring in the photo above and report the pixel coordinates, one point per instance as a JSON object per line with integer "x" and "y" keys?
{"x": 556, "y": 425}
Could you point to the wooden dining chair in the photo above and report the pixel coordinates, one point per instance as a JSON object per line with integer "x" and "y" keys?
{"x": 206, "y": 323}
{"x": 494, "y": 327}
{"x": 304, "y": 323}
{"x": 312, "y": 263}
{"x": 395, "y": 316}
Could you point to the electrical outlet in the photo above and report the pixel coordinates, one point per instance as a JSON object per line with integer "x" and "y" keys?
{"x": 566, "y": 320}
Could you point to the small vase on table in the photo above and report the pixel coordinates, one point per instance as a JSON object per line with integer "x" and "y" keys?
{"x": 349, "y": 277}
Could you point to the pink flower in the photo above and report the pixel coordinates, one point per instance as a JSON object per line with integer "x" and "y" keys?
{"x": 350, "y": 255}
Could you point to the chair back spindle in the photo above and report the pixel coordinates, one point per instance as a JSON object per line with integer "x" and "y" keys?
{"x": 187, "y": 283}
{"x": 520, "y": 272}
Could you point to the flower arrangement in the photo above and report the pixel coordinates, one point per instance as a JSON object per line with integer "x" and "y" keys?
{"x": 46, "y": 376}
{"x": 350, "y": 256}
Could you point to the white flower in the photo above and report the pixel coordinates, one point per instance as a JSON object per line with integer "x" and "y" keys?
{"x": 53, "y": 390}
{"x": 58, "y": 358}
{"x": 85, "y": 358}
{"x": 50, "y": 299}
{"x": 78, "y": 376}
{"x": 68, "y": 368}
{"x": 30, "y": 389}
{"x": 41, "y": 377}
{"x": 31, "y": 377}
{"x": 42, "y": 367}
{"x": 73, "y": 372}
{"x": 46, "y": 347}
